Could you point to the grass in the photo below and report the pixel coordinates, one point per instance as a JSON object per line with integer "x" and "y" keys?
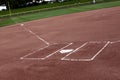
{"x": 44, "y": 6}
{"x": 46, "y": 14}
{"x": 38, "y": 7}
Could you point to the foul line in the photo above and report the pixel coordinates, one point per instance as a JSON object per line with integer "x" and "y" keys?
{"x": 74, "y": 51}
{"x": 115, "y": 42}
{"x": 36, "y": 36}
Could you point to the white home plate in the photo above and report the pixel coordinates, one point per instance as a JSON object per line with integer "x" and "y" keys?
{"x": 22, "y": 24}
{"x": 66, "y": 51}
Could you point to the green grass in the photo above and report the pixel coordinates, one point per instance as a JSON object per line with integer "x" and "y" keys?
{"x": 38, "y": 7}
{"x": 46, "y": 14}
{"x": 44, "y": 6}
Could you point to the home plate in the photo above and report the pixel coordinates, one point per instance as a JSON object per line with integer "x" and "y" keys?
{"x": 21, "y": 24}
{"x": 66, "y": 51}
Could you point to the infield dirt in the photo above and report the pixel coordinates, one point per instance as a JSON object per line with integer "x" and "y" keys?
{"x": 97, "y": 26}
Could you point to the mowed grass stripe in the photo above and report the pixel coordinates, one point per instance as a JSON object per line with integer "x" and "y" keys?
{"x": 46, "y": 14}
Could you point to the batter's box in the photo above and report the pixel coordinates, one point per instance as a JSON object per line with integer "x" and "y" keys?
{"x": 66, "y": 51}
{"x": 45, "y": 52}
{"x": 86, "y": 52}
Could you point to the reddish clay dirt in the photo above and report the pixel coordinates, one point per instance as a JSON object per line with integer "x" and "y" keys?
{"x": 98, "y": 25}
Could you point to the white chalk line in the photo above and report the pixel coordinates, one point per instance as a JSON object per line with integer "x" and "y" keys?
{"x": 77, "y": 59}
{"x": 100, "y": 50}
{"x": 25, "y": 57}
{"x": 33, "y": 52}
{"x": 111, "y": 42}
{"x": 64, "y": 58}
{"x": 115, "y": 42}
{"x": 58, "y": 50}
{"x": 97, "y": 42}
{"x": 74, "y": 50}
{"x": 37, "y": 36}
{"x": 34, "y": 58}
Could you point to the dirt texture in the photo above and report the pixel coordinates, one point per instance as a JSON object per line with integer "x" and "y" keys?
{"x": 97, "y": 26}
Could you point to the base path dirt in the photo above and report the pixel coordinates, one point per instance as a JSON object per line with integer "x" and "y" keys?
{"x": 93, "y": 28}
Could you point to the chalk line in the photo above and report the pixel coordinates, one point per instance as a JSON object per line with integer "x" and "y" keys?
{"x": 57, "y": 51}
{"x": 33, "y": 58}
{"x": 100, "y": 50}
{"x": 64, "y": 58}
{"x": 77, "y": 60}
{"x": 74, "y": 51}
{"x": 115, "y": 42}
{"x": 34, "y": 52}
{"x": 47, "y": 43}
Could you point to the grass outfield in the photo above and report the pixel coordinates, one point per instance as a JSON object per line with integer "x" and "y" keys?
{"x": 46, "y": 14}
